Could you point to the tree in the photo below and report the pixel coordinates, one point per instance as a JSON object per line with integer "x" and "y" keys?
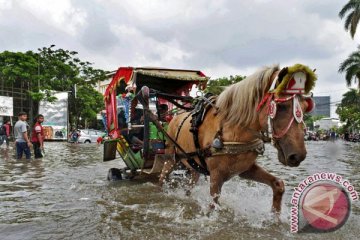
{"x": 351, "y": 67}
{"x": 18, "y": 72}
{"x": 61, "y": 70}
{"x": 216, "y": 86}
{"x": 309, "y": 120}
{"x": 46, "y": 71}
{"x": 349, "y": 109}
{"x": 88, "y": 103}
{"x": 352, "y": 12}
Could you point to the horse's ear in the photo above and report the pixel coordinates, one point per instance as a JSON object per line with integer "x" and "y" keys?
{"x": 314, "y": 70}
{"x": 282, "y": 74}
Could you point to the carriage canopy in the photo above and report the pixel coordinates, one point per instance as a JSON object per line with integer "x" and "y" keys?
{"x": 172, "y": 81}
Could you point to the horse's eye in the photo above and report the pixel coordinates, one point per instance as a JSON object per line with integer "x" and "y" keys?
{"x": 282, "y": 107}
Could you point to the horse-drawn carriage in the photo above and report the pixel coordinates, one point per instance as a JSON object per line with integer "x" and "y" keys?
{"x": 140, "y": 103}
{"x": 219, "y": 136}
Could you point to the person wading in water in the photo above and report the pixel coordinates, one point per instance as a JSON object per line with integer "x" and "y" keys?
{"x": 23, "y": 143}
{"x": 37, "y": 136}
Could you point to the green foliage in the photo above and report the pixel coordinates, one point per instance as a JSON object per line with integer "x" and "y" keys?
{"x": 50, "y": 70}
{"x": 309, "y": 120}
{"x": 61, "y": 69}
{"x": 216, "y": 86}
{"x": 37, "y": 96}
{"x": 349, "y": 109}
{"x": 88, "y": 103}
{"x": 351, "y": 68}
{"x": 17, "y": 67}
{"x": 352, "y": 12}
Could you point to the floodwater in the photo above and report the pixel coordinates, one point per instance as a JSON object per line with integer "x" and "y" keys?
{"x": 66, "y": 196}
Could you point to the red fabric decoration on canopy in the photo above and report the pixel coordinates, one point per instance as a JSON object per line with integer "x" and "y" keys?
{"x": 110, "y": 99}
{"x": 122, "y": 73}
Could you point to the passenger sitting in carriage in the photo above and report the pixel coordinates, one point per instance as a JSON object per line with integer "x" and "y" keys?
{"x": 135, "y": 135}
{"x": 163, "y": 114}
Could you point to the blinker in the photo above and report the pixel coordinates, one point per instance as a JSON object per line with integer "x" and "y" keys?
{"x": 311, "y": 105}
{"x": 217, "y": 143}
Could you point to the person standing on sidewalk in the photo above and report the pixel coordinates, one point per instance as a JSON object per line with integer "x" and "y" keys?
{"x": 38, "y": 136}
{"x": 22, "y": 141}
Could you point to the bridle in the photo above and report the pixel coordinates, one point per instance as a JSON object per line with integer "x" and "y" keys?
{"x": 271, "y": 101}
{"x": 297, "y": 115}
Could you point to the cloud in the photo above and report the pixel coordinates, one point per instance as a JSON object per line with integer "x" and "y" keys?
{"x": 60, "y": 14}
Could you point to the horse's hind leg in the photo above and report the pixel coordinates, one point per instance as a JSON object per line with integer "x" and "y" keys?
{"x": 259, "y": 174}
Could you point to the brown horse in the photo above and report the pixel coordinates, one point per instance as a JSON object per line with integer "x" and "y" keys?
{"x": 241, "y": 112}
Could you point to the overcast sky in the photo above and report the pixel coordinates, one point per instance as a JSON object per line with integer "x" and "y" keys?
{"x": 219, "y": 37}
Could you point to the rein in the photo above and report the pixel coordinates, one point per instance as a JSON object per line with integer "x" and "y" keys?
{"x": 271, "y": 103}
{"x": 271, "y": 115}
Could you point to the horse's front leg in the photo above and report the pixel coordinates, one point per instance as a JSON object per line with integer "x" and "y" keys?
{"x": 167, "y": 169}
{"x": 259, "y": 174}
{"x": 216, "y": 182}
{"x": 192, "y": 181}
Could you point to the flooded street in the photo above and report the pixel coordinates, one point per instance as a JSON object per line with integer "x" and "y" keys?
{"x": 66, "y": 196}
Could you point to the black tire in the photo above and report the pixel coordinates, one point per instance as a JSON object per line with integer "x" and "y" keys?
{"x": 87, "y": 141}
{"x": 114, "y": 174}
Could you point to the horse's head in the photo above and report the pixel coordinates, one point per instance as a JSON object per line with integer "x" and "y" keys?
{"x": 286, "y": 102}
{"x": 288, "y": 129}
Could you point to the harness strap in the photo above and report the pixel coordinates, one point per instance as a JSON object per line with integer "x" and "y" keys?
{"x": 229, "y": 148}
{"x": 234, "y": 148}
{"x": 200, "y": 153}
{"x": 283, "y": 132}
{"x": 180, "y": 126}
{"x": 190, "y": 156}
{"x": 198, "y": 115}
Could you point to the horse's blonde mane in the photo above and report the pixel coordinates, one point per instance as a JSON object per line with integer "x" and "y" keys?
{"x": 237, "y": 103}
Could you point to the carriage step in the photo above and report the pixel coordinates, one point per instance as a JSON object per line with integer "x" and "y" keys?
{"x": 159, "y": 161}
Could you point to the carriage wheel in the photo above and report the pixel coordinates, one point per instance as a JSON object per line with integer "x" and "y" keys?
{"x": 114, "y": 174}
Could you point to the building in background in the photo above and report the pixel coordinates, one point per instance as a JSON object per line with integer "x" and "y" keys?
{"x": 322, "y": 106}
{"x": 327, "y": 123}
{"x": 102, "y": 85}
{"x": 21, "y": 101}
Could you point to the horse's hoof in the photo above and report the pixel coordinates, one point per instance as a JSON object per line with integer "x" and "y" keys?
{"x": 276, "y": 215}
{"x": 214, "y": 206}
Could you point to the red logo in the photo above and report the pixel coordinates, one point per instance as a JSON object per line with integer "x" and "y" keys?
{"x": 325, "y": 207}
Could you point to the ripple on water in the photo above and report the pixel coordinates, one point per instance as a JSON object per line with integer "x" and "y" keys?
{"x": 66, "y": 196}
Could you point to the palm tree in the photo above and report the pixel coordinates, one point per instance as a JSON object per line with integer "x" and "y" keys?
{"x": 351, "y": 97}
{"x": 351, "y": 67}
{"x": 352, "y": 10}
